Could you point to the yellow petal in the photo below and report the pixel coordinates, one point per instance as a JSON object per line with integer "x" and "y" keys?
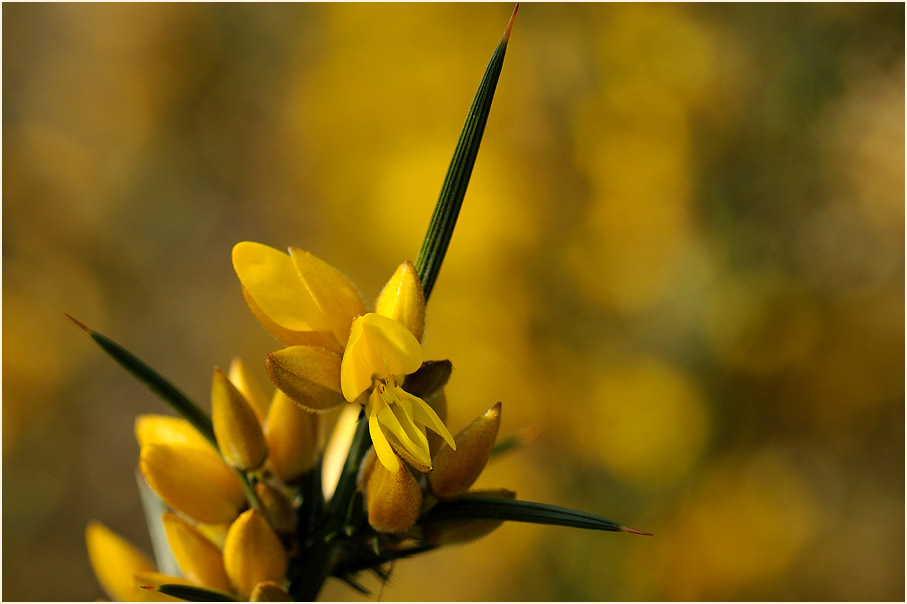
{"x": 269, "y": 591}
{"x": 395, "y": 420}
{"x": 166, "y": 429}
{"x": 253, "y": 553}
{"x": 200, "y": 560}
{"x": 455, "y": 471}
{"x": 335, "y": 296}
{"x": 277, "y": 508}
{"x": 292, "y": 435}
{"x": 308, "y": 375}
{"x": 115, "y": 562}
{"x": 197, "y": 483}
{"x": 246, "y": 383}
{"x": 382, "y": 448}
{"x": 403, "y": 300}
{"x": 379, "y": 347}
{"x": 152, "y": 579}
{"x": 393, "y": 499}
{"x": 236, "y": 427}
{"x": 424, "y": 415}
{"x": 323, "y": 338}
{"x": 270, "y": 278}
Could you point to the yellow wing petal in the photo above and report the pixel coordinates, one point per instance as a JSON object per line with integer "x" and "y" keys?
{"x": 270, "y": 278}
{"x": 334, "y": 295}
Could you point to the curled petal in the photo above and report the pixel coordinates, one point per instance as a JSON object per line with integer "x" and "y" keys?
{"x": 423, "y": 414}
{"x": 395, "y": 419}
{"x": 379, "y": 440}
{"x": 403, "y": 300}
{"x": 308, "y": 375}
{"x": 379, "y": 347}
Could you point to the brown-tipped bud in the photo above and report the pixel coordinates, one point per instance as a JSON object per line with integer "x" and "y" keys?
{"x": 245, "y": 382}
{"x": 193, "y": 481}
{"x": 464, "y": 530}
{"x": 307, "y": 374}
{"x": 200, "y": 560}
{"x": 277, "y": 508}
{"x": 269, "y": 591}
{"x": 236, "y": 427}
{"x": 403, "y": 300}
{"x": 455, "y": 471}
{"x": 393, "y": 499}
{"x": 253, "y": 553}
{"x": 292, "y": 435}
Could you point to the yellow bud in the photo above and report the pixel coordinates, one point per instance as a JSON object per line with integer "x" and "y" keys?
{"x": 236, "y": 427}
{"x": 200, "y": 560}
{"x": 292, "y": 436}
{"x": 455, "y": 471}
{"x": 403, "y": 300}
{"x": 166, "y": 429}
{"x": 452, "y": 532}
{"x": 253, "y": 553}
{"x": 193, "y": 481}
{"x": 277, "y": 508}
{"x": 246, "y": 383}
{"x": 393, "y": 499}
{"x": 152, "y": 579}
{"x": 269, "y": 591}
{"x": 307, "y": 374}
{"x": 115, "y": 562}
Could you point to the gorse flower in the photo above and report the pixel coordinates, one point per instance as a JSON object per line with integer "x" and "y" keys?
{"x": 247, "y": 503}
{"x": 349, "y": 354}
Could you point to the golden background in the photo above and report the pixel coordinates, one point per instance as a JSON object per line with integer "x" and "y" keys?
{"x": 681, "y": 256}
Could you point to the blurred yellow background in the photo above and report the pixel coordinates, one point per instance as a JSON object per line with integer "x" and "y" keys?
{"x": 681, "y": 255}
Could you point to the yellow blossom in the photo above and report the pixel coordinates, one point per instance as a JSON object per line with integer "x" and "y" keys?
{"x": 456, "y": 470}
{"x": 246, "y": 383}
{"x": 393, "y": 499}
{"x": 292, "y": 435}
{"x": 380, "y": 354}
{"x": 236, "y": 427}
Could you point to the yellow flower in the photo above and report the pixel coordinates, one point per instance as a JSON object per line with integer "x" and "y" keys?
{"x": 115, "y": 562}
{"x": 380, "y": 354}
{"x": 253, "y": 553}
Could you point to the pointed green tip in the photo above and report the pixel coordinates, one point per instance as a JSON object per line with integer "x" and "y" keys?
{"x": 510, "y": 23}
{"x": 634, "y": 531}
{"x": 79, "y": 324}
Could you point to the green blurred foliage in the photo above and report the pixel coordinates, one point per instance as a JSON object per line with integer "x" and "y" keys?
{"x": 681, "y": 256}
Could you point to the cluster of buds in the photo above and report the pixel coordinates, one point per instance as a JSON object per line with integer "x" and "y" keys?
{"x": 241, "y": 510}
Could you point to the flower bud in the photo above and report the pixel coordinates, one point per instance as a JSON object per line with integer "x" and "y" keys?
{"x": 236, "y": 427}
{"x": 292, "y": 436}
{"x": 393, "y": 499}
{"x": 269, "y": 591}
{"x": 464, "y": 530}
{"x": 253, "y": 553}
{"x": 115, "y": 562}
{"x": 200, "y": 560}
{"x": 166, "y": 429}
{"x": 403, "y": 300}
{"x": 251, "y": 389}
{"x": 193, "y": 481}
{"x": 277, "y": 508}
{"x": 307, "y": 374}
{"x": 455, "y": 471}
